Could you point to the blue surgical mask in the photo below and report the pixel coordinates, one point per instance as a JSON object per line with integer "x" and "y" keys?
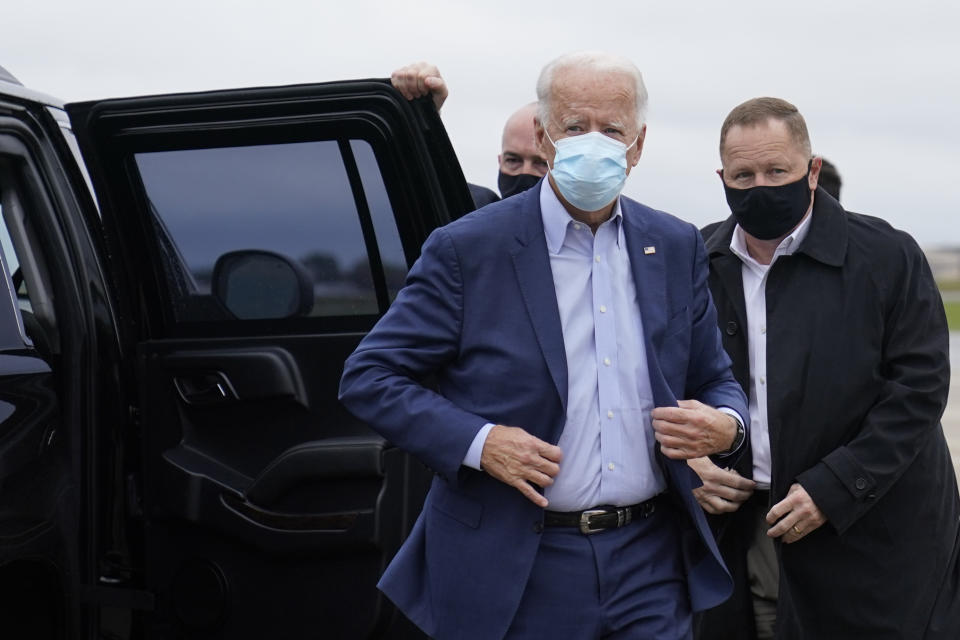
{"x": 589, "y": 169}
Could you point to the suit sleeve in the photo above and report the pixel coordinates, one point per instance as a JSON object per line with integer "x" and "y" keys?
{"x": 383, "y": 380}
{"x": 915, "y": 371}
{"x": 709, "y": 378}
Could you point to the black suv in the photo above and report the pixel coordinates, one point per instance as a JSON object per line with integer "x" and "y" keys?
{"x": 185, "y": 275}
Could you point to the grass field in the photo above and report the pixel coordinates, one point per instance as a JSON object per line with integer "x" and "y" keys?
{"x": 953, "y": 314}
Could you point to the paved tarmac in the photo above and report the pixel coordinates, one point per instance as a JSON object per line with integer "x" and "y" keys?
{"x": 951, "y": 417}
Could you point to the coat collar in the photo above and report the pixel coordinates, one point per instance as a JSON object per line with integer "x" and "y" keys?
{"x": 826, "y": 241}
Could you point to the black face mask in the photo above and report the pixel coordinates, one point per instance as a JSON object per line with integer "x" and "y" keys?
{"x": 512, "y": 185}
{"x": 767, "y": 213}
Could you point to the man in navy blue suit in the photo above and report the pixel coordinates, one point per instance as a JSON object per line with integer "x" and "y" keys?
{"x": 577, "y": 361}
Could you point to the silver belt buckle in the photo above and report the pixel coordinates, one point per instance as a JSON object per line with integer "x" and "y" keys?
{"x": 585, "y": 520}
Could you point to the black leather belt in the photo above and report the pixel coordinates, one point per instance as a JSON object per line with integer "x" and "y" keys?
{"x": 594, "y": 520}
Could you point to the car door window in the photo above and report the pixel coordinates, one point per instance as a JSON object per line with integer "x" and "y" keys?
{"x": 294, "y": 200}
{"x": 25, "y": 265}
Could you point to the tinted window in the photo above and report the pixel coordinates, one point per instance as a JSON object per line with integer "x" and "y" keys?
{"x": 391, "y": 251}
{"x": 29, "y": 279}
{"x": 295, "y": 200}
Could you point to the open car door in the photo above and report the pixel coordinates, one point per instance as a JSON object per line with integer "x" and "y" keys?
{"x": 256, "y": 235}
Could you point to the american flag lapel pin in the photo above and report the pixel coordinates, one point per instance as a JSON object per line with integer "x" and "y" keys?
{"x": 649, "y": 251}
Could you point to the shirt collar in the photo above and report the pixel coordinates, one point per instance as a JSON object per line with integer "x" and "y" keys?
{"x": 556, "y": 220}
{"x": 787, "y": 246}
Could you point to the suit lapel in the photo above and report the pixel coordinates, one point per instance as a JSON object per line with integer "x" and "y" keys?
{"x": 649, "y": 275}
{"x": 532, "y": 265}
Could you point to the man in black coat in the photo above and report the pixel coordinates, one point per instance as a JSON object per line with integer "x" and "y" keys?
{"x": 849, "y": 526}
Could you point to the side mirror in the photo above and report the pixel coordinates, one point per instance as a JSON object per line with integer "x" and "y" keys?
{"x": 262, "y": 285}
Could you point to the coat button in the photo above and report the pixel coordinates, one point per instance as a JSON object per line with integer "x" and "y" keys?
{"x": 732, "y": 328}
{"x": 538, "y": 527}
{"x": 860, "y": 484}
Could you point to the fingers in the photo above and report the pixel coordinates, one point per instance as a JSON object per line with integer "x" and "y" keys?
{"x": 733, "y": 494}
{"x": 682, "y": 444}
{"x": 551, "y": 452}
{"x": 692, "y": 429}
{"x": 676, "y": 442}
{"x": 420, "y": 79}
{"x": 794, "y": 517}
{"x": 714, "y": 504}
{"x": 531, "y": 494}
{"x": 520, "y": 460}
{"x": 723, "y": 490}
{"x": 676, "y": 415}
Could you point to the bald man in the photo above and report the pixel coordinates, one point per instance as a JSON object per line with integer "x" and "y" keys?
{"x": 521, "y": 163}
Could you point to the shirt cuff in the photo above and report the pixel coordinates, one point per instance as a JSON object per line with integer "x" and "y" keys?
{"x": 472, "y": 459}
{"x": 739, "y": 419}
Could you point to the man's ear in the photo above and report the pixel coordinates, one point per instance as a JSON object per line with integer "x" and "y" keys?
{"x": 813, "y": 179}
{"x": 543, "y": 145}
{"x": 720, "y": 173}
{"x": 640, "y": 138}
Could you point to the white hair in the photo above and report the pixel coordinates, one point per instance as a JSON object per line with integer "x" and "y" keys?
{"x": 596, "y": 61}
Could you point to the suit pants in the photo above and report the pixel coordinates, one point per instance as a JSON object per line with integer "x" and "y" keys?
{"x": 625, "y": 583}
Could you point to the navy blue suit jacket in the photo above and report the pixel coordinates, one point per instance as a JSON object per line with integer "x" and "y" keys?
{"x": 479, "y": 312}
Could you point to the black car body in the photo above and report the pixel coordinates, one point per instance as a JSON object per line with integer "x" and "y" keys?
{"x": 181, "y": 295}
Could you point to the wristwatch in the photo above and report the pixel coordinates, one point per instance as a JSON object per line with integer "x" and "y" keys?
{"x": 737, "y": 439}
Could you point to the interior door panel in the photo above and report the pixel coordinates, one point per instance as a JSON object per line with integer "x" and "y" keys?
{"x": 278, "y": 471}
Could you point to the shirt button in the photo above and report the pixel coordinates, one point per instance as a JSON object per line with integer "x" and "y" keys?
{"x": 597, "y": 259}
{"x": 603, "y": 308}
{"x": 611, "y": 466}
{"x": 538, "y": 527}
{"x": 577, "y": 227}
{"x": 606, "y": 361}
{"x": 861, "y": 484}
{"x": 763, "y": 330}
{"x": 609, "y": 414}
{"x": 763, "y": 380}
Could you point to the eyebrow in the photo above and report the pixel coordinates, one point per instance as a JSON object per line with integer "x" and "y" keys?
{"x": 571, "y": 120}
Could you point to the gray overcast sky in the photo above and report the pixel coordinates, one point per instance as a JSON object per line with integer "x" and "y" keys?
{"x": 879, "y": 81}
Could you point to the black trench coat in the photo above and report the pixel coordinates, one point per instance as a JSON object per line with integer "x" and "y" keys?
{"x": 857, "y": 376}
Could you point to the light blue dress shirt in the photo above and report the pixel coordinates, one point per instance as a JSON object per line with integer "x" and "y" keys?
{"x": 608, "y": 440}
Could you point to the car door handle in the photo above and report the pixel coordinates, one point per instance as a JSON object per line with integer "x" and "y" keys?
{"x": 341, "y": 521}
{"x": 205, "y": 389}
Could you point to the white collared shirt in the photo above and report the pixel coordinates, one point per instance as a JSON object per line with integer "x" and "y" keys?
{"x": 754, "y": 277}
